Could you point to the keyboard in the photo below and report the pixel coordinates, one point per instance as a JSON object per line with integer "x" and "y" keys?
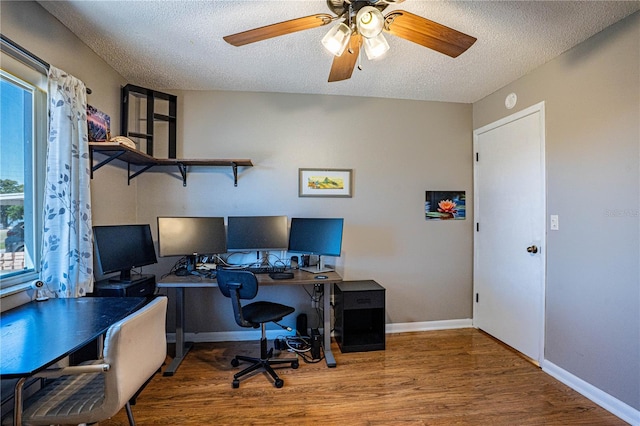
{"x": 264, "y": 269}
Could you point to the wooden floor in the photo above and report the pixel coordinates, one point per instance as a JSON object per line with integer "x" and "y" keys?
{"x": 451, "y": 377}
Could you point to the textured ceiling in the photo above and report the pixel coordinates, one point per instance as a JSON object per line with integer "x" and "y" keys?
{"x": 168, "y": 45}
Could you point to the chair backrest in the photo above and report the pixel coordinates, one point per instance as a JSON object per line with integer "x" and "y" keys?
{"x": 247, "y": 280}
{"x": 237, "y": 285}
{"x": 135, "y": 347}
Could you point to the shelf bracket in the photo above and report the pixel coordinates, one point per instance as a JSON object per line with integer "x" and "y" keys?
{"x": 107, "y": 160}
{"x": 235, "y": 173}
{"x": 139, "y": 172}
{"x": 183, "y": 172}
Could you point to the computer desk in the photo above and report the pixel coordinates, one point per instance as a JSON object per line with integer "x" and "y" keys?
{"x": 194, "y": 281}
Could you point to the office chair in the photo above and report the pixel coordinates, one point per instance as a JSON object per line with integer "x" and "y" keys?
{"x": 134, "y": 350}
{"x": 239, "y": 285}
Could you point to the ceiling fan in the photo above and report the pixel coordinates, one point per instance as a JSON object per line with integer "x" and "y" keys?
{"x": 362, "y": 23}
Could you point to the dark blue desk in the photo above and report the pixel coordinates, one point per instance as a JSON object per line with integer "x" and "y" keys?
{"x": 38, "y": 334}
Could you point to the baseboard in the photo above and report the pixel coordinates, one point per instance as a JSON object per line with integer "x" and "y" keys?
{"x": 406, "y": 327}
{"x": 603, "y": 399}
{"x": 241, "y": 335}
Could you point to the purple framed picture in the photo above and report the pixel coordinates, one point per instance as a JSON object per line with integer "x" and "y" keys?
{"x": 99, "y": 125}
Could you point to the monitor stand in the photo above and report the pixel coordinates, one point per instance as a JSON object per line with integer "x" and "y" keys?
{"x": 316, "y": 270}
{"x": 319, "y": 268}
{"x": 191, "y": 262}
{"x": 263, "y": 258}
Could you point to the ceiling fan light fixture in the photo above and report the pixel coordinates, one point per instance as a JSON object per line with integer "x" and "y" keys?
{"x": 369, "y": 21}
{"x": 359, "y": 24}
{"x": 375, "y": 47}
{"x": 337, "y": 39}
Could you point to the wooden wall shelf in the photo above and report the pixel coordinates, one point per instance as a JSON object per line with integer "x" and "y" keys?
{"x": 116, "y": 151}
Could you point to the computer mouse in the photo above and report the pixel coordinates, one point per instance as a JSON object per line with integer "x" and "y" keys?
{"x": 181, "y": 272}
{"x": 321, "y": 277}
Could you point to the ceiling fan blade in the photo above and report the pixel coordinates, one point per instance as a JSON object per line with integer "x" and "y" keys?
{"x": 427, "y": 33}
{"x": 343, "y": 65}
{"x": 279, "y": 29}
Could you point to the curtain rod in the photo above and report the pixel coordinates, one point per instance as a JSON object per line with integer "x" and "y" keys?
{"x": 19, "y": 53}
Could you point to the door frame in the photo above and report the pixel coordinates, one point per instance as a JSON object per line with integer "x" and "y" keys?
{"x": 540, "y": 109}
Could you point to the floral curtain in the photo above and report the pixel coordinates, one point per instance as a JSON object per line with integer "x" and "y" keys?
{"x": 67, "y": 252}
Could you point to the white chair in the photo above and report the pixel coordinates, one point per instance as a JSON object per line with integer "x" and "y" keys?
{"x": 134, "y": 350}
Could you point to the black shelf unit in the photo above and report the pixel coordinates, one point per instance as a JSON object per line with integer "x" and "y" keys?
{"x": 359, "y": 316}
{"x": 149, "y": 99}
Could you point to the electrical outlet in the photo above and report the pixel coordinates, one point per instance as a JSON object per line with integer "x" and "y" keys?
{"x": 554, "y": 223}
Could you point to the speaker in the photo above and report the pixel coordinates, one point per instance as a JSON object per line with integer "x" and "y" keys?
{"x": 294, "y": 262}
{"x": 301, "y": 325}
{"x": 315, "y": 344}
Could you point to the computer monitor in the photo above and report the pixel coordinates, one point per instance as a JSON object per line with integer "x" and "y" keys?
{"x": 319, "y": 236}
{"x": 191, "y": 237}
{"x": 120, "y": 248}
{"x": 257, "y": 233}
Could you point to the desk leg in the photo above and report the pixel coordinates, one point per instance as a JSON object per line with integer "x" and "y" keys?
{"x": 328, "y": 354}
{"x": 17, "y": 401}
{"x": 181, "y": 347}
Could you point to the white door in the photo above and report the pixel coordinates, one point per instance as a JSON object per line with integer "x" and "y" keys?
{"x": 509, "y": 243}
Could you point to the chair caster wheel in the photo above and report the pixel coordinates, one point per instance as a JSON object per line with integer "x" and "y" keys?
{"x": 279, "y": 383}
{"x": 235, "y": 362}
{"x": 235, "y": 384}
{"x": 295, "y": 365}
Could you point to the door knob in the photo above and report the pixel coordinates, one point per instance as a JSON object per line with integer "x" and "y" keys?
{"x": 532, "y": 249}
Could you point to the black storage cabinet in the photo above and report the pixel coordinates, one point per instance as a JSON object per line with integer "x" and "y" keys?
{"x": 360, "y": 316}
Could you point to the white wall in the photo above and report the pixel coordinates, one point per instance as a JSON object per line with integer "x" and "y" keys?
{"x": 592, "y": 96}
{"x": 397, "y": 150}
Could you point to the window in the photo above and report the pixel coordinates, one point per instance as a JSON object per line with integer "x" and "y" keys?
{"x": 23, "y": 124}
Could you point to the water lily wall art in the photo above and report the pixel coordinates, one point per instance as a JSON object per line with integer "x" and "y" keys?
{"x": 445, "y": 205}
